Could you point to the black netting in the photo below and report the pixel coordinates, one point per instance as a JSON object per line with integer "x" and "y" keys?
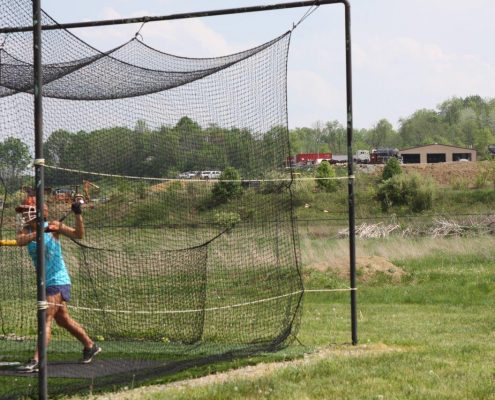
{"x": 190, "y": 253}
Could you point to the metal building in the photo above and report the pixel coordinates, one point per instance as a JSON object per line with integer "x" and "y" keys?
{"x": 435, "y": 153}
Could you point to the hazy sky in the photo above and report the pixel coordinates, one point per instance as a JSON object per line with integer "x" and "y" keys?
{"x": 407, "y": 55}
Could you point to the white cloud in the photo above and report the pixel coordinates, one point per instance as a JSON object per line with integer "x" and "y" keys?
{"x": 189, "y": 37}
{"x": 312, "y": 97}
{"x": 404, "y": 73}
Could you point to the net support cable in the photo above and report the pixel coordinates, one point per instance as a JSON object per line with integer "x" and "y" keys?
{"x": 209, "y": 309}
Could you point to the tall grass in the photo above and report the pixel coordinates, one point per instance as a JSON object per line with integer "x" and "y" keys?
{"x": 317, "y": 250}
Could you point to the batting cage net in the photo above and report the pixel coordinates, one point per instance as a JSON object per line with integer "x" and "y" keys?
{"x": 190, "y": 251}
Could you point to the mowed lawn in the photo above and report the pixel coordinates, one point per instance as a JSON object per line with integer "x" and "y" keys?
{"x": 429, "y": 336}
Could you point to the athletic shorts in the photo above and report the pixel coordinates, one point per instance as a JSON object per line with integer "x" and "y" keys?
{"x": 64, "y": 290}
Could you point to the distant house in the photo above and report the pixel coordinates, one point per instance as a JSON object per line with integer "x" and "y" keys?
{"x": 436, "y": 153}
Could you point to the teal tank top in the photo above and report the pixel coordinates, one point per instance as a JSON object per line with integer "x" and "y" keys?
{"x": 56, "y": 272}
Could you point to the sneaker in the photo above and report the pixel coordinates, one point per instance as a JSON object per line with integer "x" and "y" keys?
{"x": 88, "y": 354}
{"x": 30, "y": 366}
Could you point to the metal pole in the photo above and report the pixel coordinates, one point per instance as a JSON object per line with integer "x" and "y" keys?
{"x": 211, "y": 13}
{"x": 350, "y": 167}
{"x": 39, "y": 183}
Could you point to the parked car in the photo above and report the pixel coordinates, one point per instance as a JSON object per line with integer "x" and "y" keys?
{"x": 188, "y": 175}
{"x": 184, "y": 175}
{"x": 210, "y": 174}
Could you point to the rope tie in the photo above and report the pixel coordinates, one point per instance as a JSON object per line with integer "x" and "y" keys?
{"x": 138, "y": 33}
{"x": 310, "y": 11}
{"x": 41, "y": 305}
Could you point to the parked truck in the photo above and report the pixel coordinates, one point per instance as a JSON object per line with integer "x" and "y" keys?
{"x": 362, "y": 157}
{"x": 302, "y": 159}
{"x": 381, "y": 156}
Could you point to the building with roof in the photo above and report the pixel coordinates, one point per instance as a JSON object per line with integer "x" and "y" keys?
{"x": 436, "y": 153}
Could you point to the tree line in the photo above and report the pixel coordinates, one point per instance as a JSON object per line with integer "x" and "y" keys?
{"x": 465, "y": 122}
{"x": 165, "y": 151}
{"x": 168, "y": 150}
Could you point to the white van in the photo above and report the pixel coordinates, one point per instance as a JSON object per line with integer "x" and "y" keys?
{"x": 210, "y": 174}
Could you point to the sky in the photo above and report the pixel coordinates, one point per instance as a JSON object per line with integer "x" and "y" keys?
{"x": 406, "y": 55}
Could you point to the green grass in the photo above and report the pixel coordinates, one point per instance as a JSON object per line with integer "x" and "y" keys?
{"x": 431, "y": 336}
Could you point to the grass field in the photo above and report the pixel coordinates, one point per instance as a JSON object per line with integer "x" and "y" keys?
{"x": 429, "y": 336}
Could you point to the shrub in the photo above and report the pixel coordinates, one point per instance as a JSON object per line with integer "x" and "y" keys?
{"x": 228, "y": 186}
{"x": 481, "y": 180}
{"x": 323, "y": 172}
{"x": 227, "y": 219}
{"x": 141, "y": 189}
{"x": 275, "y": 182}
{"x": 406, "y": 190}
{"x": 391, "y": 169}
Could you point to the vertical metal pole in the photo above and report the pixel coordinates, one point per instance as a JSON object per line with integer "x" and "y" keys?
{"x": 39, "y": 182}
{"x": 350, "y": 166}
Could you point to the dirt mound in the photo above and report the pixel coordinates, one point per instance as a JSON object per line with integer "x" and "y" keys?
{"x": 366, "y": 267}
{"x": 463, "y": 174}
{"x": 448, "y": 174}
{"x": 160, "y": 187}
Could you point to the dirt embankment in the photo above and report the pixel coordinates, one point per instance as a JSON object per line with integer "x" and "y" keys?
{"x": 452, "y": 173}
{"x": 463, "y": 174}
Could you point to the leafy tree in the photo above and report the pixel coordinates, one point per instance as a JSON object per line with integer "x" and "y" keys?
{"x": 56, "y": 148}
{"x": 421, "y": 128}
{"x": 391, "y": 169}
{"x": 336, "y": 137}
{"x": 274, "y": 148}
{"x": 324, "y": 174}
{"x": 451, "y": 109}
{"x": 14, "y": 159}
{"x": 383, "y": 135}
{"x": 228, "y": 186}
{"x": 360, "y": 139}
